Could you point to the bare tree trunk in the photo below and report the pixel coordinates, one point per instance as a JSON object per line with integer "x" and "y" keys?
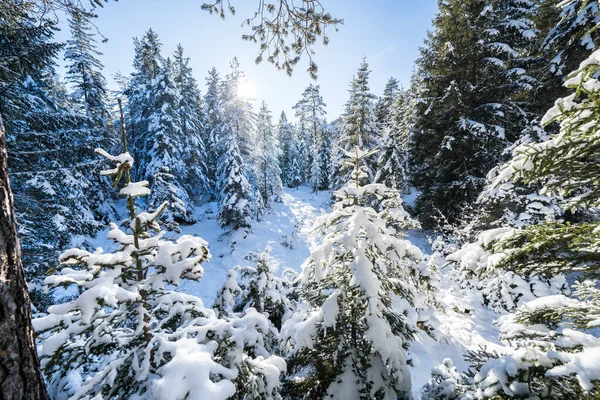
{"x": 20, "y": 375}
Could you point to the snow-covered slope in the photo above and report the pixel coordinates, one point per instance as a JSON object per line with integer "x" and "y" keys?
{"x": 288, "y": 229}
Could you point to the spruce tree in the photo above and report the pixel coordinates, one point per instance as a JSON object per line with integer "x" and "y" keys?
{"x": 235, "y": 204}
{"x": 238, "y": 111}
{"x": 191, "y": 119}
{"x": 385, "y": 104}
{"x": 570, "y": 35}
{"x": 474, "y": 69}
{"x": 358, "y": 127}
{"x": 285, "y": 136}
{"x": 268, "y": 173}
{"x": 348, "y": 340}
{"x": 310, "y": 111}
{"x": 393, "y": 160}
{"x": 47, "y": 136}
{"x": 213, "y": 128}
{"x": 296, "y": 171}
{"x": 84, "y": 68}
{"x": 147, "y": 63}
{"x": 167, "y": 149}
{"x": 554, "y": 337}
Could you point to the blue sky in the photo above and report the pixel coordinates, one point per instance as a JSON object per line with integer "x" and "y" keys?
{"x": 387, "y": 32}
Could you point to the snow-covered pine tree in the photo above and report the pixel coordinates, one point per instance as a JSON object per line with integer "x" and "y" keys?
{"x": 310, "y": 111}
{"x": 147, "y": 63}
{"x": 50, "y": 164}
{"x": 258, "y": 288}
{"x": 190, "y": 116}
{"x": 474, "y": 90}
{"x": 213, "y": 127}
{"x": 167, "y": 148}
{"x": 235, "y": 204}
{"x": 570, "y": 36}
{"x": 323, "y": 156}
{"x": 84, "y": 69}
{"x": 392, "y": 164}
{"x": 124, "y": 334}
{"x": 359, "y": 127}
{"x": 349, "y": 338}
{"x": 385, "y": 104}
{"x": 296, "y": 173}
{"x": 238, "y": 112}
{"x": 285, "y": 136}
{"x": 555, "y": 338}
{"x": 268, "y": 173}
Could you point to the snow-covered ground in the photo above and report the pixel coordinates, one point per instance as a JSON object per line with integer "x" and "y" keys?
{"x": 287, "y": 228}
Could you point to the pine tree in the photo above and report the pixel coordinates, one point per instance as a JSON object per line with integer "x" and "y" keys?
{"x": 570, "y": 36}
{"x": 323, "y": 157}
{"x": 348, "y": 341}
{"x": 296, "y": 171}
{"x": 167, "y": 149}
{"x": 235, "y": 209}
{"x": 258, "y": 288}
{"x": 393, "y": 159}
{"x": 147, "y": 64}
{"x": 385, "y": 104}
{"x": 268, "y": 173}
{"x": 475, "y": 80}
{"x": 213, "y": 127}
{"x": 285, "y": 136}
{"x": 191, "y": 118}
{"x": 358, "y": 126}
{"x": 554, "y": 336}
{"x": 84, "y": 68}
{"x": 238, "y": 112}
{"x": 310, "y": 111}
{"x": 50, "y": 164}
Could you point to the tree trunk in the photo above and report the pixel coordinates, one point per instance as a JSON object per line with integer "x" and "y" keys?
{"x": 20, "y": 375}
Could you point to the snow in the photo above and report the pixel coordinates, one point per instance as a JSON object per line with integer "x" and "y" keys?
{"x": 288, "y": 229}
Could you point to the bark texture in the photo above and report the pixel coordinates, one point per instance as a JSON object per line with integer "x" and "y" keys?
{"x": 20, "y": 375}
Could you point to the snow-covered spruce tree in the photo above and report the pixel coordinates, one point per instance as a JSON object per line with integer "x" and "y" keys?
{"x": 359, "y": 127}
{"x": 517, "y": 204}
{"x": 213, "y": 127}
{"x": 238, "y": 113}
{"x": 555, "y": 338}
{"x": 258, "y": 288}
{"x": 190, "y": 116}
{"x": 310, "y": 111}
{"x": 392, "y": 164}
{"x": 323, "y": 157}
{"x": 50, "y": 164}
{"x": 126, "y": 335}
{"x": 499, "y": 289}
{"x": 168, "y": 149}
{"x": 446, "y": 383}
{"x": 474, "y": 98}
{"x": 296, "y": 173}
{"x": 84, "y": 69}
{"x": 268, "y": 173}
{"x": 235, "y": 204}
{"x": 570, "y": 35}
{"x": 385, "y": 104}
{"x": 348, "y": 340}
{"x": 147, "y": 63}
{"x": 285, "y": 134}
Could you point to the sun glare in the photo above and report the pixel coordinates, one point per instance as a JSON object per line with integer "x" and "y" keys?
{"x": 247, "y": 89}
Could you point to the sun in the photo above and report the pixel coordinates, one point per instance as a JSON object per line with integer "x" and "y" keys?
{"x": 246, "y": 89}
